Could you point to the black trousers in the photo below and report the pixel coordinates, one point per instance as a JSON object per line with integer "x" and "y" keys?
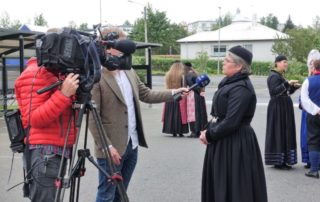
{"x": 313, "y": 132}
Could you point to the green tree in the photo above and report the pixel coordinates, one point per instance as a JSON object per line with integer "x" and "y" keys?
{"x": 16, "y": 24}
{"x": 202, "y": 59}
{"x": 5, "y": 20}
{"x": 127, "y": 23}
{"x": 175, "y": 32}
{"x": 224, "y": 21}
{"x": 288, "y": 25}
{"x": 298, "y": 44}
{"x": 40, "y": 20}
{"x": 160, "y": 30}
{"x": 83, "y": 27}
{"x": 6, "y": 23}
{"x": 270, "y": 21}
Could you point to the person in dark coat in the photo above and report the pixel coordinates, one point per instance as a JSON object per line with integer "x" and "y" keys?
{"x": 196, "y": 107}
{"x": 280, "y": 144}
{"x": 310, "y": 100}
{"x": 233, "y": 168}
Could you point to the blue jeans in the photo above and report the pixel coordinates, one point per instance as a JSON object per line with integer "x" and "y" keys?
{"x": 107, "y": 192}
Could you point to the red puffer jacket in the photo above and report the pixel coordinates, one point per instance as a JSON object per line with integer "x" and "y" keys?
{"x": 50, "y": 111}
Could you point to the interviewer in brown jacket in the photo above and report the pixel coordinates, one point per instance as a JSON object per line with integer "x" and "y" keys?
{"x": 117, "y": 97}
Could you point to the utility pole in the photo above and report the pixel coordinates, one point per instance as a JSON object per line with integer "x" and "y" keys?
{"x": 218, "y": 68}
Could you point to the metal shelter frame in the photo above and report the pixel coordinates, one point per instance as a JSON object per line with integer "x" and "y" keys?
{"x": 12, "y": 41}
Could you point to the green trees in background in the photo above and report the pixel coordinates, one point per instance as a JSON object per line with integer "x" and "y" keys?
{"x": 202, "y": 60}
{"x": 270, "y": 21}
{"x": 288, "y": 25}
{"x": 5, "y": 22}
{"x": 298, "y": 44}
{"x": 224, "y": 21}
{"x": 160, "y": 30}
{"x": 39, "y": 20}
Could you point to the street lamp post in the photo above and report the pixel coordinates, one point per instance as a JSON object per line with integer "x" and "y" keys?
{"x": 100, "y": 11}
{"x": 218, "y": 69}
{"x": 146, "y": 34}
{"x": 145, "y": 27}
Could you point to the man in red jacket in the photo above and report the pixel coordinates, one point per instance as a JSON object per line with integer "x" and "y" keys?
{"x": 48, "y": 115}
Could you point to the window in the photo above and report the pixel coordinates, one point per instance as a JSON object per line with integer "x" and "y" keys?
{"x": 248, "y": 47}
{"x": 219, "y": 53}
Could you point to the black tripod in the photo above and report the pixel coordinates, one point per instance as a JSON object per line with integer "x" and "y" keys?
{"x": 77, "y": 171}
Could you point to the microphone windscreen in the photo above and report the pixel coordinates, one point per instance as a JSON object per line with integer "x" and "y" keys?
{"x": 202, "y": 80}
{"x": 125, "y": 46}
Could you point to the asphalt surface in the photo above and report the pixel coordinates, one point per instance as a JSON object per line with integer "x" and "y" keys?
{"x": 170, "y": 170}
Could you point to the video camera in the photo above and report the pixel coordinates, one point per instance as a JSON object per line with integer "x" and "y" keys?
{"x": 72, "y": 51}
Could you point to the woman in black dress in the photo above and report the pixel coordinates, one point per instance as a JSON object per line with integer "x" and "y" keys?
{"x": 280, "y": 144}
{"x": 175, "y": 112}
{"x": 233, "y": 168}
{"x": 197, "y": 104}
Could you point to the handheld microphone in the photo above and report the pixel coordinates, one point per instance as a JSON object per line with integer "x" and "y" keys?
{"x": 125, "y": 46}
{"x": 201, "y": 81}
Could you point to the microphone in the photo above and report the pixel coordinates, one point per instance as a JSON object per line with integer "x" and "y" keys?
{"x": 125, "y": 46}
{"x": 201, "y": 81}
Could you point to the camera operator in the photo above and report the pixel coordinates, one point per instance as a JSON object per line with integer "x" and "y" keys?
{"x": 117, "y": 98}
{"x": 48, "y": 115}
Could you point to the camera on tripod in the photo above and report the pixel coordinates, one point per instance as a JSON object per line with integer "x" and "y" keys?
{"x": 72, "y": 51}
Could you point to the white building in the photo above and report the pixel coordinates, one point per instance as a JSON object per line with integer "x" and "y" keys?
{"x": 201, "y": 26}
{"x": 255, "y": 37}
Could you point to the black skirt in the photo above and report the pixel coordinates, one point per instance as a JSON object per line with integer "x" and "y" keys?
{"x": 172, "y": 123}
{"x": 280, "y": 145}
{"x": 233, "y": 169}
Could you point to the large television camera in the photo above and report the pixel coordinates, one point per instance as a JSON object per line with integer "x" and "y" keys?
{"x": 72, "y": 51}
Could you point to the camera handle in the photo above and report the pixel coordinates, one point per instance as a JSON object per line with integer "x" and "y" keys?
{"x": 78, "y": 170}
{"x": 45, "y": 89}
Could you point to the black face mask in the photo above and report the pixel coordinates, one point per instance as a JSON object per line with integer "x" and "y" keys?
{"x": 123, "y": 62}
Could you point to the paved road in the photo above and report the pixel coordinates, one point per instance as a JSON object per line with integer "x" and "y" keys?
{"x": 170, "y": 169}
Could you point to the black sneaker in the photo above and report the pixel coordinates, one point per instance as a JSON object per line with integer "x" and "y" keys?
{"x": 313, "y": 174}
{"x": 307, "y": 166}
{"x": 283, "y": 167}
{"x": 278, "y": 167}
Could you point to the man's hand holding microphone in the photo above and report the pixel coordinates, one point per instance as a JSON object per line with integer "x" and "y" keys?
{"x": 201, "y": 81}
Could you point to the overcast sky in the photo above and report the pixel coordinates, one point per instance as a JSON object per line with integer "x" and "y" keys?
{"x": 59, "y": 13}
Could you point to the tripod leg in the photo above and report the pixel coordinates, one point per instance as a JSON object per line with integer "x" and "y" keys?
{"x": 103, "y": 139}
{"x": 59, "y": 181}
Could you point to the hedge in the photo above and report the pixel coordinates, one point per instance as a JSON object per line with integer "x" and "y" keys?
{"x": 161, "y": 65}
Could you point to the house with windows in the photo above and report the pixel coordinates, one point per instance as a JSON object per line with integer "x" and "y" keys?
{"x": 242, "y": 31}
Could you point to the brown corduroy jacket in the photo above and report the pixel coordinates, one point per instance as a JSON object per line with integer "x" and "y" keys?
{"x": 112, "y": 109}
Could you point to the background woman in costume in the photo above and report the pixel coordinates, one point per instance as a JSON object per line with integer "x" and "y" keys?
{"x": 310, "y": 99}
{"x": 196, "y": 103}
{"x": 233, "y": 168}
{"x": 313, "y": 55}
{"x": 175, "y": 112}
{"x": 280, "y": 144}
